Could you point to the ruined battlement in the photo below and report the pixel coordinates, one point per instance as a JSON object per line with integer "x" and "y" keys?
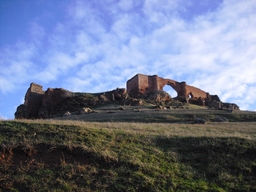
{"x": 36, "y": 97}
{"x": 141, "y": 84}
{"x": 36, "y": 88}
{"x": 56, "y": 101}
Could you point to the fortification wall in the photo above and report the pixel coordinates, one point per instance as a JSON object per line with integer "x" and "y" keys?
{"x": 143, "y": 83}
{"x": 140, "y": 84}
{"x": 132, "y": 85}
{"x": 154, "y": 83}
{"x": 33, "y": 93}
{"x": 195, "y": 92}
{"x": 33, "y": 100}
{"x": 36, "y": 88}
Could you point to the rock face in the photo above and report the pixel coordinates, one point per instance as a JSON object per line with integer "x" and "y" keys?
{"x": 33, "y": 101}
{"x": 220, "y": 105}
{"x": 52, "y": 101}
{"x": 157, "y": 96}
{"x": 56, "y": 102}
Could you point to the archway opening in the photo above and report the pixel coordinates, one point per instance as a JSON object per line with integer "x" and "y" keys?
{"x": 170, "y": 91}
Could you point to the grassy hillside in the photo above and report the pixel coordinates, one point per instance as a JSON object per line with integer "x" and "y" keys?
{"x": 58, "y": 155}
{"x": 152, "y": 114}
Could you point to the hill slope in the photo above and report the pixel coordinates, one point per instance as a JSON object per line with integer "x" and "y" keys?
{"x": 159, "y": 114}
{"x": 80, "y": 156}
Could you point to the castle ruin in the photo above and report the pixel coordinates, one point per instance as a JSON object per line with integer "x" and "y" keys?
{"x": 55, "y": 102}
{"x": 141, "y": 84}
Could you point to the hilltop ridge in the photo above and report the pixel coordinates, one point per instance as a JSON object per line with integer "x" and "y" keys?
{"x": 140, "y": 89}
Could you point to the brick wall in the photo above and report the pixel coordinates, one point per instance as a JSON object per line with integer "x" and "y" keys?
{"x": 132, "y": 84}
{"x": 141, "y": 84}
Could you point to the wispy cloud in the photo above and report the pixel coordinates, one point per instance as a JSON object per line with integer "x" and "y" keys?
{"x": 15, "y": 64}
{"x": 100, "y": 45}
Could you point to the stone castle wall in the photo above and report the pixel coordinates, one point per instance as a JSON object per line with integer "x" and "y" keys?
{"x": 45, "y": 104}
{"x": 132, "y": 84}
{"x": 195, "y": 92}
{"x": 141, "y": 84}
{"x": 33, "y": 100}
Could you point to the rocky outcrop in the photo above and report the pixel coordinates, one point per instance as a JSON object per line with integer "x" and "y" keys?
{"x": 20, "y": 112}
{"x": 157, "y": 96}
{"x": 57, "y": 101}
{"x": 221, "y": 105}
{"x": 53, "y": 101}
{"x": 32, "y": 104}
{"x": 114, "y": 95}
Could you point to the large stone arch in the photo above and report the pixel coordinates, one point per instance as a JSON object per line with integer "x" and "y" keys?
{"x": 179, "y": 87}
{"x": 170, "y": 90}
{"x": 141, "y": 84}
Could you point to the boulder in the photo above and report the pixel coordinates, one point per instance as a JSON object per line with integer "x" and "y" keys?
{"x": 214, "y": 104}
{"x": 67, "y": 113}
{"x": 136, "y": 102}
{"x": 103, "y": 98}
{"x": 199, "y": 121}
{"x": 160, "y": 107}
{"x": 20, "y": 112}
{"x": 85, "y": 110}
{"x": 157, "y": 96}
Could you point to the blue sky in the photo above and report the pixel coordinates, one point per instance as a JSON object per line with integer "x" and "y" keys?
{"x": 96, "y": 45}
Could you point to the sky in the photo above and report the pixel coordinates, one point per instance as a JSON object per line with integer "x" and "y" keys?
{"x": 97, "y": 45}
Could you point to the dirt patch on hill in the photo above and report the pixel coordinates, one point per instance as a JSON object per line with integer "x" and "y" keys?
{"x": 51, "y": 155}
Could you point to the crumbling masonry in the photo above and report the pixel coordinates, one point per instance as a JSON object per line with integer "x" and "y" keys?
{"x": 55, "y": 102}
{"x": 141, "y": 84}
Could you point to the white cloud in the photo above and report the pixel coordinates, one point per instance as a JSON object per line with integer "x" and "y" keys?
{"x": 15, "y": 65}
{"x": 6, "y": 85}
{"x": 101, "y": 45}
{"x": 77, "y": 84}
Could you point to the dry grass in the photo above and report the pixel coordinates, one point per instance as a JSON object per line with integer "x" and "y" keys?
{"x": 246, "y": 130}
{"x": 150, "y": 114}
{"x": 75, "y": 155}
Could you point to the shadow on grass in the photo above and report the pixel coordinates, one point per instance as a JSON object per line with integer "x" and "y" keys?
{"x": 69, "y": 158}
{"x": 228, "y": 162}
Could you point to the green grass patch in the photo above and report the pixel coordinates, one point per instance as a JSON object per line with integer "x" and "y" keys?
{"x": 81, "y": 156}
